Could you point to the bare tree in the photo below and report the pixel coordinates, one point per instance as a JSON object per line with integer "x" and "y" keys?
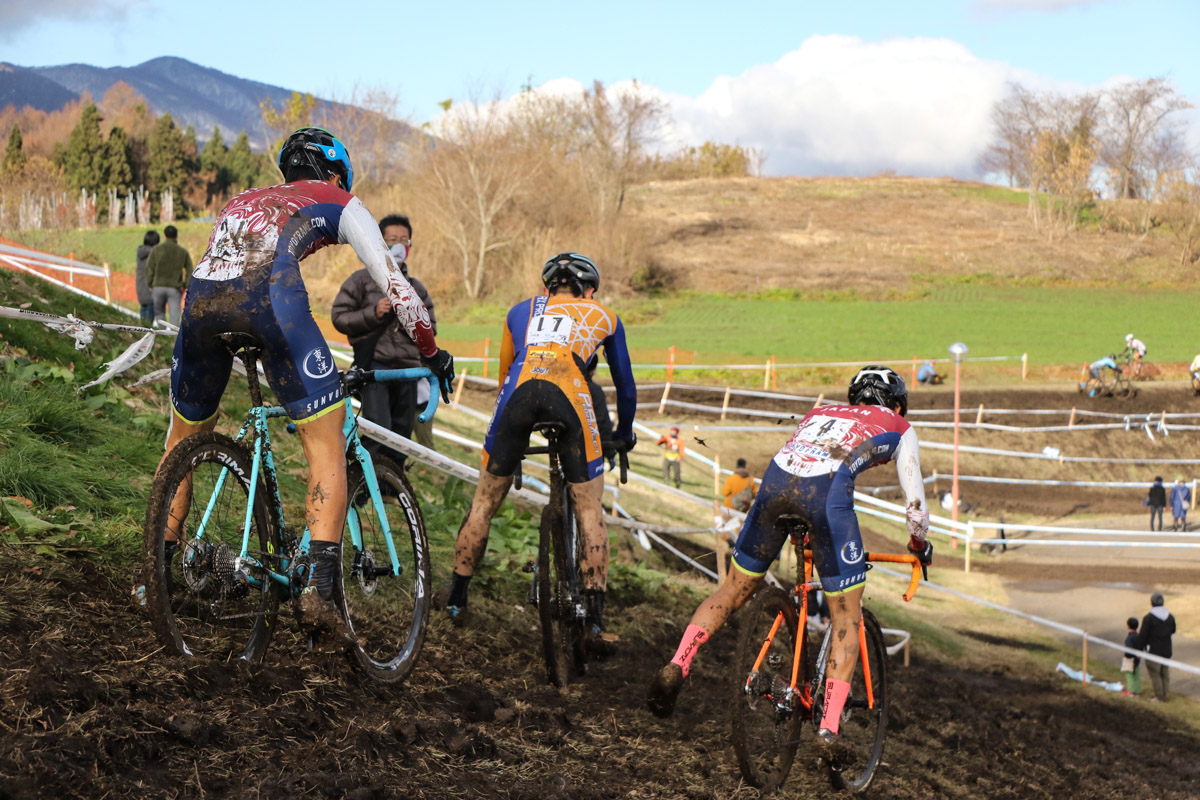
{"x": 368, "y": 122}
{"x": 614, "y": 132}
{"x": 1137, "y": 115}
{"x": 469, "y": 179}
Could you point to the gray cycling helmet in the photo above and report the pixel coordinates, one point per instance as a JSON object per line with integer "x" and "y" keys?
{"x": 571, "y": 269}
{"x": 879, "y": 386}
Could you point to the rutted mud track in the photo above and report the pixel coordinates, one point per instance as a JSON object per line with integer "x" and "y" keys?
{"x": 89, "y": 708}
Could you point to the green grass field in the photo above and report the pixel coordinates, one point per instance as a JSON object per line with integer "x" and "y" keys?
{"x": 115, "y": 246}
{"x": 1052, "y": 325}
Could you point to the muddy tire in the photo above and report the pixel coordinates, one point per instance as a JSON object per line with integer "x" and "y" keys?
{"x": 203, "y": 602}
{"x": 864, "y": 724}
{"x": 386, "y": 608}
{"x": 562, "y": 630}
{"x": 764, "y": 738}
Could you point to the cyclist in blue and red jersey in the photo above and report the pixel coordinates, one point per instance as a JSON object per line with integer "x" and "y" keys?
{"x": 550, "y": 341}
{"x": 249, "y": 282}
{"x": 812, "y": 477}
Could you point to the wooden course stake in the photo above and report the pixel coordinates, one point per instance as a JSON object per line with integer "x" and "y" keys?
{"x": 725, "y": 404}
{"x": 820, "y": 397}
{"x": 767, "y": 375}
{"x": 458, "y": 390}
{"x": 913, "y": 380}
{"x": 1085, "y": 675}
{"x": 1024, "y": 365}
{"x": 107, "y": 284}
{"x": 979, "y": 416}
{"x": 716, "y": 476}
{"x": 662, "y": 404}
{"x": 487, "y": 348}
{"x": 1071, "y": 422}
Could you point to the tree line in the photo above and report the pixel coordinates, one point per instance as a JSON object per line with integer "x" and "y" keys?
{"x": 1127, "y": 144}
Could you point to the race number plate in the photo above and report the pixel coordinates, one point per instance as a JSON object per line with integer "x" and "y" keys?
{"x": 549, "y": 329}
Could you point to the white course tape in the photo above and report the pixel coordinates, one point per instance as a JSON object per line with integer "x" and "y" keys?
{"x": 1049, "y": 623}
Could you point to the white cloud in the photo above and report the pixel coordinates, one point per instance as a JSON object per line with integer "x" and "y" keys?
{"x": 17, "y": 15}
{"x": 839, "y": 105}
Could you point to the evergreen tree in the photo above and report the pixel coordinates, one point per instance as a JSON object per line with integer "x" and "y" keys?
{"x": 14, "y": 156}
{"x": 241, "y": 162}
{"x": 119, "y": 167}
{"x": 214, "y": 164}
{"x": 85, "y": 157}
{"x": 191, "y": 149}
{"x": 168, "y": 160}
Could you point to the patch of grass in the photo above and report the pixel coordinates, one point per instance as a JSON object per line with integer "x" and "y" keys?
{"x": 116, "y": 246}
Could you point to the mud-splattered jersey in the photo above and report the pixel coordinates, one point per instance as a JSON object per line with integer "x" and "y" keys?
{"x": 543, "y": 337}
{"x": 848, "y": 439}
{"x": 261, "y": 228}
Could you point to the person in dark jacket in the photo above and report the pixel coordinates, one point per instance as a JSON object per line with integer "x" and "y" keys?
{"x": 145, "y": 297}
{"x": 1157, "y": 500}
{"x": 361, "y": 312}
{"x": 168, "y": 270}
{"x": 1155, "y": 637}
{"x": 1131, "y": 664}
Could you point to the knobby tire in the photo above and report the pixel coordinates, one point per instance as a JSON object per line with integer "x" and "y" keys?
{"x": 764, "y": 742}
{"x": 557, "y": 671}
{"x": 388, "y": 613}
{"x": 197, "y": 605}
{"x": 862, "y": 728}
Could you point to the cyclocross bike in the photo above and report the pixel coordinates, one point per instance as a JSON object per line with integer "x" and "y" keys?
{"x": 558, "y": 592}
{"x": 235, "y": 559}
{"x": 779, "y": 681}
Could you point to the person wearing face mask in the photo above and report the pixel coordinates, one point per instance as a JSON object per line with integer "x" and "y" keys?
{"x": 360, "y": 311}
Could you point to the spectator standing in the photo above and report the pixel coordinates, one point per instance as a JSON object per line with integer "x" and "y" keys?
{"x": 168, "y": 270}
{"x": 1181, "y": 500}
{"x": 1157, "y": 500}
{"x": 1130, "y": 665}
{"x": 361, "y": 311}
{"x": 672, "y": 456}
{"x": 739, "y": 488}
{"x": 1155, "y": 637}
{"x": 145, "y": 297}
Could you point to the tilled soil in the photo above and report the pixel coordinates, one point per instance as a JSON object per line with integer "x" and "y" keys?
{"x": 90, "y": 707}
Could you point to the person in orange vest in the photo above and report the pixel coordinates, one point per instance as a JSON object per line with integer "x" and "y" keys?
{"x": 739, "y": 488}
{"x": 672, "y": 455}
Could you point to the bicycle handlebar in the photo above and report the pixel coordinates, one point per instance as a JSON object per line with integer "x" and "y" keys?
{"x": 905, "y": 558}
{"x": 355, "y": 378}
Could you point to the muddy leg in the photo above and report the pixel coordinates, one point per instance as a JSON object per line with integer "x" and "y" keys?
{"x": 473, "y": 535}
{"x": 590, "y": 514}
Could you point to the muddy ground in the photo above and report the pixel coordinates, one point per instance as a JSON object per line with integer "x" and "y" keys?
{"x": 91, "y": 708}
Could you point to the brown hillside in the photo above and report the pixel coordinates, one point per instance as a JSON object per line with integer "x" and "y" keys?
{"x": 876, "y": 235}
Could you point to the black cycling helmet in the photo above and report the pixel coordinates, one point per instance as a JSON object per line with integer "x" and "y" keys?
{"x": 319, "y": 149}
{"x": 879, "y": 386}
{"x": 571, "y": 269}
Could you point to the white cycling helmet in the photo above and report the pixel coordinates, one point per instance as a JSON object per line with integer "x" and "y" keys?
{"x": 1129, "y": 337}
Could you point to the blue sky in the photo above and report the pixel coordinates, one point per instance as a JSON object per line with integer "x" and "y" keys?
{"x": 730, "y": 70}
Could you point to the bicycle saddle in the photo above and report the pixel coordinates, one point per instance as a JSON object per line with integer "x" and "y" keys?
{"x": 237, "y": 342}
{"x": 794, "y": 525}
{"x": 550, "y": 429}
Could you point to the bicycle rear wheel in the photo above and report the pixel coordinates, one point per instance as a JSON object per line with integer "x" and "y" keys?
{"x": 386, "y": 601}
{"x": 864, "y": 721}
{"x": 204, "y": 599}
{"x": 562, "y": 629}
{"x": 766, "y": 723}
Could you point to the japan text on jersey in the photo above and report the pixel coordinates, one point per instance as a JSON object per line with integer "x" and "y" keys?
{"x": 842, "y": 438}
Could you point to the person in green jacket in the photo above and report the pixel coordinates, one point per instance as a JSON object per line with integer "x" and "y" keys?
{"x": 167, "y": 272}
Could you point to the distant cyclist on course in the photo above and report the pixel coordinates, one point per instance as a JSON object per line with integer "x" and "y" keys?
{"x": 249, "y": 282}
{"x": 812, "y": 476}
{"x": 550, "y": 341}
{"x": 1135, "y": 350}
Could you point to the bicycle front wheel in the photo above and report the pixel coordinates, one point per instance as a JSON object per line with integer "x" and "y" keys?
{"x": 203, "y": 595}
{"x": 864, "y": 718}
{"x": 385, "y": 589}
{"x": 766, "y": 716}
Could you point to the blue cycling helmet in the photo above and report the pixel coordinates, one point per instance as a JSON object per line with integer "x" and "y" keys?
{"x": 319, "y": 149}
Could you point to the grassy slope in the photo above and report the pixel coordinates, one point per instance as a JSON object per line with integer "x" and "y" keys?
{"x": 841, "y": 269}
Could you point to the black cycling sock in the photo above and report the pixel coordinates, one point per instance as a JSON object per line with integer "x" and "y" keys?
{"x": 458, "y": 590}
{"x": 594, "y": 602}
{"x": 324, "y": 566}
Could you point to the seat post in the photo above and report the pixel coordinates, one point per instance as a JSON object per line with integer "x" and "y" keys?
{"x": 250, "y": 361}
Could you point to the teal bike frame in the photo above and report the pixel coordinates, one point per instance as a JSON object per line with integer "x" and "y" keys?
{"x": 264, "y": 465}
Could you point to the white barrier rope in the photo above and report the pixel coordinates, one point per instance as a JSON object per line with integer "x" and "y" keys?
{"x": 1049, "y": 623}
